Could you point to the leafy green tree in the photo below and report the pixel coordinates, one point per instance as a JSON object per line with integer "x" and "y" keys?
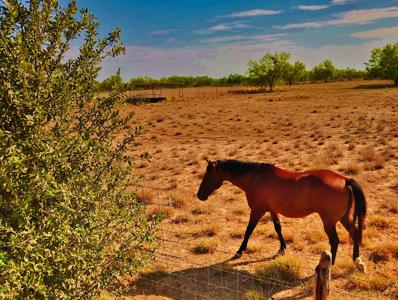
{"x": 294, "y": 72}
{"x": 69, "y": 226}
{"x": 383, "y": 63}
{"x": 348, "y": 74}
{"x": 111, "y": 83}
{"x": 269, "y": 69}
{"x": 325, "y": 71}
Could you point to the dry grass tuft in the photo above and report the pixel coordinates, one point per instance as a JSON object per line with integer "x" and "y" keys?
{"x": 209, "y": 231}
{"x": 253, "y": 295}
{"x": 254, "y": 247}
{"x": 162, "y": 211}
{"x": 368, "y": 282}
{"x": 333, "y": 154}
{"x": 145, "y": 196}
{"x": 378, "y": 221}
{"x": 205, "y": 246}
{"x": 350, "y": 169}
{"x": 286, "y": 268}
{"x": 154, "y": 270}
{"x": 344, "y": 265}
{"x": 238, "y": 234}
{"x": 178, "y": 202}
{"x": 202, "y": 210}
{"x": 315, "y": 235}
{"x": 384, "y": 251}
{"x": 181, "y": 219}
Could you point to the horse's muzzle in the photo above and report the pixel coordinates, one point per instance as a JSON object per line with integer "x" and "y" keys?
{"x": 202, "y": 197}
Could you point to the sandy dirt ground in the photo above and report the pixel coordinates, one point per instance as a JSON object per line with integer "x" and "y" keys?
{"x": 348, "y": 127}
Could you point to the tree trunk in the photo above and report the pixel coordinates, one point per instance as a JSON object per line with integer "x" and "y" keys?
{"x": 396, "y": 82}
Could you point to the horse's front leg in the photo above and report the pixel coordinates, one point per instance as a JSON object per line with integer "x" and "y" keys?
{"x": 255, "y": 216}
{"x": 278, "y": 229}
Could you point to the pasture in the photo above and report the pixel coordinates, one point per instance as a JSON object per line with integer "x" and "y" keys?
{"x": 348, "y": 127}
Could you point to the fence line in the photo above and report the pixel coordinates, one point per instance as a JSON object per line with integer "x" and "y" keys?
{"x": 223, "y": 284}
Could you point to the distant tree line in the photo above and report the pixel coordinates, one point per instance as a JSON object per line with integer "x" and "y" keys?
{"x": 272, "y": 69}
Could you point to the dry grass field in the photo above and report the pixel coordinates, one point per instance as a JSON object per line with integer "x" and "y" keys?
{"x": 349, "y": 127}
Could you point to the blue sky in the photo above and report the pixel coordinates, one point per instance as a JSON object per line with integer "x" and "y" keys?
{"x": 218, "y": 37}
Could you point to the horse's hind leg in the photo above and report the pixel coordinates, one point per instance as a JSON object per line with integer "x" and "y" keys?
{"x": 278, "y": 229}
{"x": 255, "y": 216}
{"x": 350, "y": 227}
{"x": 333, "y": 239}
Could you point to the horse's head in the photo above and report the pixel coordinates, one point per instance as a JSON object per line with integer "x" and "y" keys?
{"x": 210, "y": 182}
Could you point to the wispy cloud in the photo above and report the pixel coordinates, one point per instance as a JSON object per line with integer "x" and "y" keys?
{"x": 362, "y": 16}
{"x": 323, "y": 6}
{"x": 244, "y": 38}
{"x": 311, "y": 7}
{"x": 162, "y": 32}
{"x": 254, "y": 13}
{"x": 301, "y": 25}
{"x": 378, "y": 33}
{"x": 340, "y": 2}
{"x": 223, "y": 27}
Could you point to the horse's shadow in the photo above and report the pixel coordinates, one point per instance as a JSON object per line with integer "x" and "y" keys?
{"x": 217, "y": 281}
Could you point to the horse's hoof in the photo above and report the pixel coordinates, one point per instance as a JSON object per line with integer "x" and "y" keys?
{"x": 360, "y": 265}
{"x": 236, "y": 256}
{"x": 281, "y": 252}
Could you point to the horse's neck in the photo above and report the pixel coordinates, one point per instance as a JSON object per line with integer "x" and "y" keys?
{"x": 241, "y": 181}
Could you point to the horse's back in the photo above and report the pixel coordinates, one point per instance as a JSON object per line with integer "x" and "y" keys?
{"x": 327, "y": 177}
{"x": 297, "y": 194}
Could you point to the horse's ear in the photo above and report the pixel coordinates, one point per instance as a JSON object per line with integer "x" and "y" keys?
{"x": 210, "y": 163}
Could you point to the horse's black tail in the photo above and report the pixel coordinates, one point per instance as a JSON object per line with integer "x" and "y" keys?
{"x": 359, "y": 212}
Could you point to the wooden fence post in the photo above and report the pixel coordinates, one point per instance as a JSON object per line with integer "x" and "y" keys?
{"x": 322, "y": 277}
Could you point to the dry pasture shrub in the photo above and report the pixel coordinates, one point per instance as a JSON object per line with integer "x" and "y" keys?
{"x": 333, "y": 154}
{"x": 350, "y": 169}
{"x": 343, "y": 266}
{"x": 315, "y": 235}
{"x": 160, "y": 211}
{"x": 254, "y": 247}
{"x": 369, "y": 282}
{"x": 384, "y": 251}
{"x": 209, "y": 231}
{"x": 178, "y": 201}
{"x": 145, "y": 196}
{"x": 286, "y": 268}
{"x": 181, "y": 219}
{"x": 254, "y": 295}
{"x": 368, "y": 154}
{"x": 379, "y": 221}
{"x": 205, "y": 246}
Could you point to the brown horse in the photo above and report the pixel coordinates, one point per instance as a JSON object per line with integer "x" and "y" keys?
{"x": 292, "y": 194}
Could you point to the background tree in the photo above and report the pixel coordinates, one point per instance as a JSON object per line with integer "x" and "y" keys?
{"x": 325, "y": 71}
{"x": 383, "y": 63}
{"x": 294, "y": 72}
{"x": 269, "y": 69}
{"x": 111, "y": 83}
{"x": 69, "y": 227}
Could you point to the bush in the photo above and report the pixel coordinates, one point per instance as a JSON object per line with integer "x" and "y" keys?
{"x": 325, "y": 71}
{"x": 68, "y": 228}
{"x": 383, "y": 63}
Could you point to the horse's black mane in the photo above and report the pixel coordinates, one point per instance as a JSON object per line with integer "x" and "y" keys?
{"x": 237, "y": 167}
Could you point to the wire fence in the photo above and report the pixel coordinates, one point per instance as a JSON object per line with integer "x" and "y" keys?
{"x": 177, "y": 275}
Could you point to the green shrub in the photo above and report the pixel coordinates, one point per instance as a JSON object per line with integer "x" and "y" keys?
{"x": 68, "y": 226}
